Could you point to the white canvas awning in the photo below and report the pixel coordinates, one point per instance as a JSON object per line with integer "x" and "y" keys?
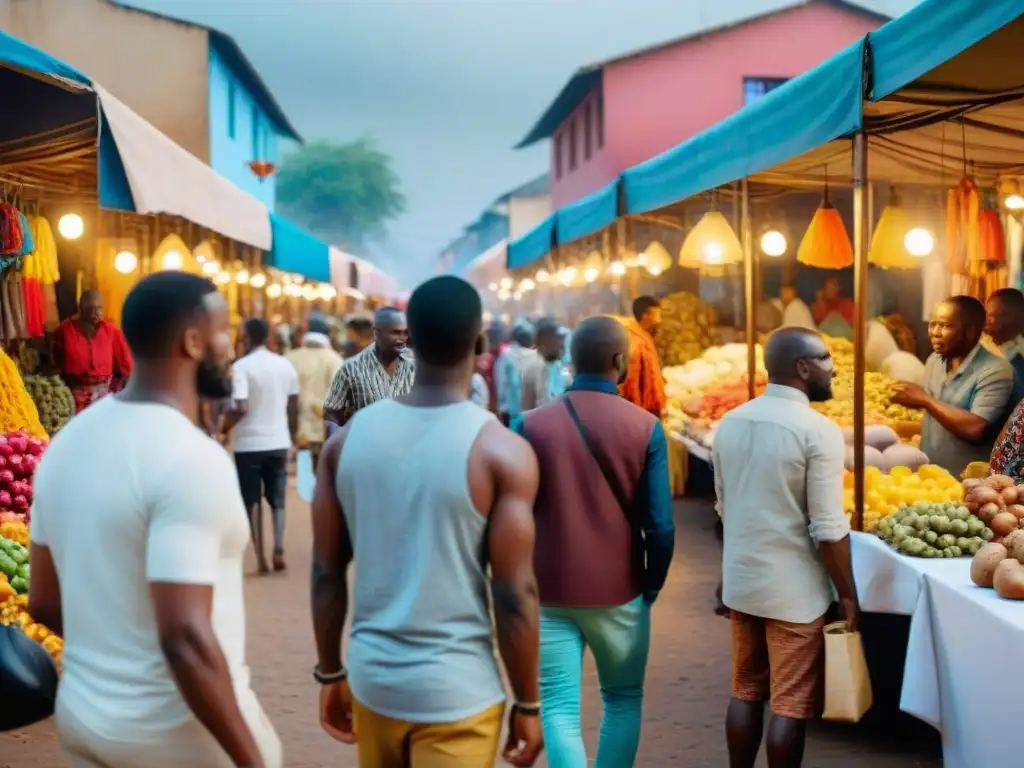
{"x": 166, "y": 178}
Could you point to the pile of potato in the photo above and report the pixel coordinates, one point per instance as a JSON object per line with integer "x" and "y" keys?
{"x": 686, "y": 330}
{"x": 928, "y": 529}
{"x": 995, "y": 500}
{"x": 1000, "y": 563}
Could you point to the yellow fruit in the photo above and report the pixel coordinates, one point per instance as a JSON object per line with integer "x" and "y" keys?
{"x": 900, "y": 471}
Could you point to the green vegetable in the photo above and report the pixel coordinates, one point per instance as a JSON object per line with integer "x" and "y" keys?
{"x": 975, "y": 526}
{"x": 987, "y": 534}
{"x": 19, "y": 554}
{"x": 963, "y": 542}
{"x": 955, "y": 551}
{"x": 941, "y": 523}
{"x": 958, "y": 527}
{"x": 20, "y": 585}
{"x": 931, "y": 537}
{"x": 7, "y": 566}
{"x": 922, "y": 523}
{"x": 947, "y": 540}
{"x": 962, "y": 513}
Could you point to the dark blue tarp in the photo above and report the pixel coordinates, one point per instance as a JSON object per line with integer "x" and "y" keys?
{"x": 588, "y": 215}
{"x": 295, "y": 250}
{"x": 812, "y": 109}
{"x": 533, "y": 246}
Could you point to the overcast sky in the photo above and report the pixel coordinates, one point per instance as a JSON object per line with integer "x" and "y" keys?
{"x": 447, "y": 87}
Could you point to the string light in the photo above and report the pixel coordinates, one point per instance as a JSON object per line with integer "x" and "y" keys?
{"x": 492, "y": 287}
{"x": 527, "y": 285}
{"x": 223, "y": 278}
{"x": 211, "y": 268}
{"x": 773, "y": 243}
{"x": 125, "y": 262}
{"x": 258, "y": 280}
{"x": 506, "y": 283}
{"x": 71, "y": 226}
{"x": 173, "y": 260}
{"x": 542, "y": 276}
{"x": 242, "y": 276}
{"x": 590, "y": 275}
{"x": 617, "y": 268}
{"x": 273, "y": 291}
{"x": 919, "y": 242}
{"x": 1014, "y": 202}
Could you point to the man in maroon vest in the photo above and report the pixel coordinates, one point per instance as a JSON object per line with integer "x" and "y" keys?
{"x": 605, "y": 537}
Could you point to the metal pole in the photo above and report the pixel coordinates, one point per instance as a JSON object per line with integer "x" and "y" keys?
{"x": 861, "y": 216}
{"x": 749, "y": 277}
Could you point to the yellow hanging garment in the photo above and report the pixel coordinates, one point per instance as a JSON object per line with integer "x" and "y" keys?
{"x": 45, "y": 255}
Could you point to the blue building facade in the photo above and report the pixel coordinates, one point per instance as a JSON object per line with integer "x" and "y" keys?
{"x": 246, "y": 123}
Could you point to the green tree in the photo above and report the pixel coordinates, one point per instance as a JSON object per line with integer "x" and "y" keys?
{"x": 344, "y": 193}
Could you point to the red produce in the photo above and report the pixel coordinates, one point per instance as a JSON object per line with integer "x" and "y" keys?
{"x": 6, "y": 449}
{"x": 6, "y": 476}
{"x": 35, "y": 447}
{"x": 18, "y": 442}
{"x": 20, "y": 503}
{"x": 16, "y": 465}
{"x": 5, "y": 500}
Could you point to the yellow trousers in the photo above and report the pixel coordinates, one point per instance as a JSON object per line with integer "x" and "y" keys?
{"x": 387, "y": 743}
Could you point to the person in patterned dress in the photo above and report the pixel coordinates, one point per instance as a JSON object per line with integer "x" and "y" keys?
{"x": 382, "y": 371}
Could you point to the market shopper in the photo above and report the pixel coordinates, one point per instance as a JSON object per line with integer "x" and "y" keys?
{"x": 381, "y": 371}
{"x": 778, "y": 479}
{"x": 644, "y": 385}
{"x": 265, "y": 418}
{"x": 545, "y": 377}
{"x": 154, "y": 658}
{"x": 1004, "y": 324}
{"x": 513, "y": 361}
{"x": 359, "y": 335}
{"x": 425, "y": 685}
{"x": 316, "y": 364}
{"x": 91, "y": 353}
{"x": 605, "y": 538}
{"x": 967, "y": 389}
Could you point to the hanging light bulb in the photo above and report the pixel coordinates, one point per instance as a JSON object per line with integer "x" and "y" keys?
{"x": 1014, "y": 202}
{"x": 242, "y": 276}
{"x": 328, "y": 292}
{"x": 527, "y": 285}
{"x": 517, "y": 296}
{"x": 617, "y": 268}
{"x": 223, "y": 278}
{"x": 654, "y": 270}
{"x": 71, "y": 226}
{"x": 506, "y": 283}
{"x": 125, "y": 262}
{"x": 590, "y": 274}
{"x": 714, "y": 252}
{"x": 568, "y": 275}
{"x": 641, "y": 259}
{"x": 273, "y": 291}
{"x": 492, "y": 287}
{"x": 503, "y": 294}
{"x": 773, "y": 243}
{"x": 293, "y": 289}
{"x": 173, "y": 260}
{"x": 658, "y": 258}
{"x": 542, "y": 276}
{"x": 889, "y": 247}
{"x": 258, "y": 280}
{"x": 211, "y": 268}
{"x": 308, "y": 292}
{"x": 919, "y": 242}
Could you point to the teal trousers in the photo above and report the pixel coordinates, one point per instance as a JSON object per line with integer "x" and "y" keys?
{"x": 620, "y": 639}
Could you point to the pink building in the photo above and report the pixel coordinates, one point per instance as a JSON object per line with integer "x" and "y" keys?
{"x": 617, "y": 113}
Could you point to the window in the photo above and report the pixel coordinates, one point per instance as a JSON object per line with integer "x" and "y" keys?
{"x": 232, "y": 117}
{"x": 256, "y": 148}
{"x": 558, "y": 155}
{"x": 755, "y": 88}
{"x": 588, "y": 136}
{"x": 599, "y": 117}
{"x": 572, "y": 144}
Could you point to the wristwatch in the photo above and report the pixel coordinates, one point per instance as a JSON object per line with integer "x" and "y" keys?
{"x": 330, "y": 678}
{"x": 527, "y": 709}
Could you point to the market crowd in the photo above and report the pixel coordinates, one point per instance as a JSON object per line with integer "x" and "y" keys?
{"x": 532, "y": 477}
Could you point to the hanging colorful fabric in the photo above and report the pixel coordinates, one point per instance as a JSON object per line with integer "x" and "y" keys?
{"x": 825, "y": 243}
{"x": 963, "y": 209}
{"x": 45, "y": 250}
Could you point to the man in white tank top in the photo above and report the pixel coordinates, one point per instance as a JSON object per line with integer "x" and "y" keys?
{"x": 423, "y": 687}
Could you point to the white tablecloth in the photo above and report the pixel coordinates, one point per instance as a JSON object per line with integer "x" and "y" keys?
{"x": 696, "y": 450}
{"x": 960, "y": 675}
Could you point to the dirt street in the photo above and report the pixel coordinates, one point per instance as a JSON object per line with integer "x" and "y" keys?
{"x": 687, "y": 681}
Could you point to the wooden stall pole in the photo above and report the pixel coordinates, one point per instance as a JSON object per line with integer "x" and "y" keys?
{"x": 747, "y": 236}
{"x": 861, "y": 216}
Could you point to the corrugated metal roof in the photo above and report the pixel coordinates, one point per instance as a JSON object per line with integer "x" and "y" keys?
{"x": 588, "y": 77}
{"x": 235, "y": 57}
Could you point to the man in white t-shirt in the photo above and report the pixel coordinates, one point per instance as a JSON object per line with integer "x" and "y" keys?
{"x": 265, "y": 418}
{"x": 138, "y": 533}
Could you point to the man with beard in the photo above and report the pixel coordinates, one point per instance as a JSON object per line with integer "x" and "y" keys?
{"x": 966, "y": 391}
{"x": 545, "y": 377}
{"x": 154, "y": 658}
{"x": 605, "y": 538}
{"x": 644, "y": 385}
{"x": 779, "y": 482}
{"x": 265, "y": 418}
{"x": 380, "y": 372}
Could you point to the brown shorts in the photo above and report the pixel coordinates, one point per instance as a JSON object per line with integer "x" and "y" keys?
{"x": 779, "y": 661}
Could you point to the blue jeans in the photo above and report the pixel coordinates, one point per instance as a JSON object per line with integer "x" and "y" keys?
{"x": 619, "y": 638}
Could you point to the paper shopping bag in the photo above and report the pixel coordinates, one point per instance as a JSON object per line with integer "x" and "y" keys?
{"x": 847, "y": 684}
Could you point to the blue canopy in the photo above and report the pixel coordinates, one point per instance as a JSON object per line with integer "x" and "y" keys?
{"x": 588, "y": 215}
{"x": 20, "y": 55}
{"x": 930, "y": 34}
{"x": 295, "y": 250}
{"x": 812, "y": 109}
{"x": 533, "y": 246}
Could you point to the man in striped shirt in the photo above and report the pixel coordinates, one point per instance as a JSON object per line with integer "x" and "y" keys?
{"x": 380, "y": 372}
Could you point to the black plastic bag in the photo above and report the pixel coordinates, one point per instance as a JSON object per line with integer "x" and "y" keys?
{"x": 28, "y": 680}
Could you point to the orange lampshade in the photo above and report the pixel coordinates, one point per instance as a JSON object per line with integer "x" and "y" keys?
{"x": 826, "y": 244}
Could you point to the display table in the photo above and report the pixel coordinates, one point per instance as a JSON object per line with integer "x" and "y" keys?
{"x": 955, "y": 677}
{"x": 696, "y": 450}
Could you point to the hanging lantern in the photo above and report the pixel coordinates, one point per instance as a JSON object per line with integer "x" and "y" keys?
{"x": 888, "y": 243}
{"x": 825, "y": 243}
{"x": 170, "y": 254}
{"x": 593, "y": 265}
{"x": 919, "y": 242}
{"x": 542, "y": 276}
{"x": 70, "y": 226}
{"x": 1010, "y": 194}
{"x": 773, "y": 243}
{"x": 258, "y": 280}
{"x": 658, "y": 259}
{"x": 273, "y": 291}
{"x": 211, "y": 268}
{"x": 205, "y": 251}
{"x": 125, "y": 262}
{"x": 711, "y": 245}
